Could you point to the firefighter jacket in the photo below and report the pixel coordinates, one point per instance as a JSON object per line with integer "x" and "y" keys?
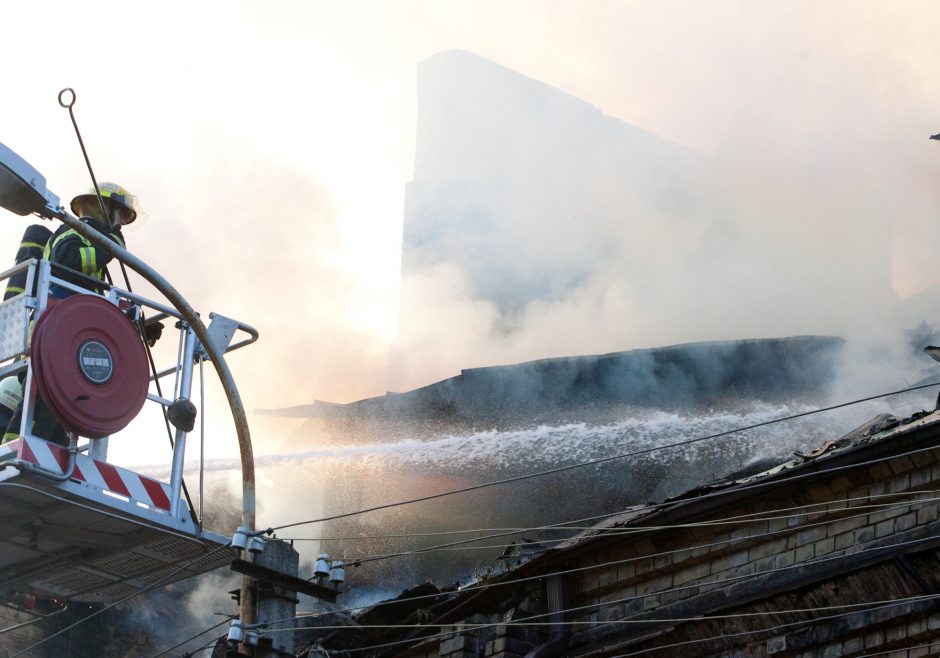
{"x": 73, "y": 250}
{"x": 31, "y": 246}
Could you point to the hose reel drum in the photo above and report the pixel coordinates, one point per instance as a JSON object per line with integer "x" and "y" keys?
{"x": 89, "y": 365}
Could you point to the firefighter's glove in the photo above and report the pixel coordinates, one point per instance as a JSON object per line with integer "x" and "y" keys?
{"x": 152, "y": 332}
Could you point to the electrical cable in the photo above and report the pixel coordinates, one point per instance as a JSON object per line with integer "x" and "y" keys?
{"x": 724, "y": 636}
{"x": 517, "y": 581}
{"x": 594, "y": 462}
{"x": 703, "y": 438}
{"x": 908, "y": 649}
{"x": 611, "y": 602}
{"x": 854, "y": 609}
{"x": 74, "y": 503}
{"x": 524, "y": 622}
{"x": 759, "y": 484}
{"x": 685, "y": 443}
{"x": 30, "y": 622}
{"x": 500, "y": 532}
{"x": 188, "y": 640}
{"x": 120, "y": 601}
{"x": 624, "y": 622}
{"x": 605, "y": 532}
{"x": 878, "y": 605}
{"x": 565, "y": 525}
{"x": 206, "y": 647}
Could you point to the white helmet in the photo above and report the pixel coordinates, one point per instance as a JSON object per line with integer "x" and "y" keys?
{"x": 11, "y": 392}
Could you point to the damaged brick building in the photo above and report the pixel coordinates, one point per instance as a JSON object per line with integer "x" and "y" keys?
{"x": 833, "y": 553}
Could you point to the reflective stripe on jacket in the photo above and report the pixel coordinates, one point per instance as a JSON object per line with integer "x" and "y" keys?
{"x": 32, "y": 245}
{"x": 71, "y": 249}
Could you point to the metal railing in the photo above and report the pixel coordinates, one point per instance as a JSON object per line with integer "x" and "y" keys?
{"x": 20, "y": 313}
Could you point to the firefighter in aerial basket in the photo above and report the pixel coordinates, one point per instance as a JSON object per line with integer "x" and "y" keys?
{"x": 69, "y": 248}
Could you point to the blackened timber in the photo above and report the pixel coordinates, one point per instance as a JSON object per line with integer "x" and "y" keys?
{"x": 292, "y": 583}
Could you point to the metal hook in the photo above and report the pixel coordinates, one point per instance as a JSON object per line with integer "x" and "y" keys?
{"x": 94, "y": 182}
{"x": 69, "y": 104}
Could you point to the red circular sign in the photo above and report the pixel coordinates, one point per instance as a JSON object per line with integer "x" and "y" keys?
{"x": 90, "y": 365}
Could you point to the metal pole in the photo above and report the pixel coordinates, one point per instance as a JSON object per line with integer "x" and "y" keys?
{"x": 29, "y": 395}
{"x": 69, "y": 104}
{"x": 179, "y": 442}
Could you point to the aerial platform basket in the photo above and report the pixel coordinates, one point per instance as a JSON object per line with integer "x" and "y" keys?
{"x": 101, "y": 535}
{"x": 73, "y": 525}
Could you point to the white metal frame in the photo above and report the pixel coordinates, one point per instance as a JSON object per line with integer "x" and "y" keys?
{"x": 40, "y": 277}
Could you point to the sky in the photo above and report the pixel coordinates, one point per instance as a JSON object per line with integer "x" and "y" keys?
{"x": 270, "y": 143}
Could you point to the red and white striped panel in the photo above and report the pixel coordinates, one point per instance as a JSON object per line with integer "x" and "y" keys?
{"x": 121, "y": 481}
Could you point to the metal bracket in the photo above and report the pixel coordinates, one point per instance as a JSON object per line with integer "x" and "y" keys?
{"x": 221, "y": 331}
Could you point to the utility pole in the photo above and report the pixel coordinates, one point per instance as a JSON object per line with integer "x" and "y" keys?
{"x": 276, "y": 603}
{"x": 271, "y": 567}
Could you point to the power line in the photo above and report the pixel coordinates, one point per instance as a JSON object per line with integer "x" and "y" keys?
{"x": 594, "y": 462}
{"x": 593, "y": 605}
{"x": 566, "y": 525}
{"x": 177, "y": 646}
{"x": 442, "y": 533}
{"x": 793, "y": 478}
{"x": 120, "y": 601}
{"x": 597, "y": 605}
{"x": 30, "y": 622}
{"x": 500, "y": 532}
{"x": 908, "y": 649}
{"x": 633, "y": 559}
{"x": 561, "y": 469}
{"x": 62, "y": 531}
{"x": 725, "y": 636}
{"x": 679, "y": 588}
{"x": 517, "y": 581}
{"x": 633, "y": 454}
{"x": 624, "y": 622}
{"x": 754, "y": 517}
{"x": 874, "y": 605}
{"x": 610, "y": 532}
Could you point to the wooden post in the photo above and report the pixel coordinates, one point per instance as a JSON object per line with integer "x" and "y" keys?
{"x": 277, "y": 603}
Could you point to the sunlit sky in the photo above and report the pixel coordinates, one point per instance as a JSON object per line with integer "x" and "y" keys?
{"x": 270, "y": 142}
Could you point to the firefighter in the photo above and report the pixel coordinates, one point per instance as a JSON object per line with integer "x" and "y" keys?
{"x": 31, "y": 246}
{"x": 69, "y": 248}
{"x": 11, "y": 397}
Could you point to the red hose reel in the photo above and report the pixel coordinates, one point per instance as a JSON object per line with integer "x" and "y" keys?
{"x": 89, "y": 365}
